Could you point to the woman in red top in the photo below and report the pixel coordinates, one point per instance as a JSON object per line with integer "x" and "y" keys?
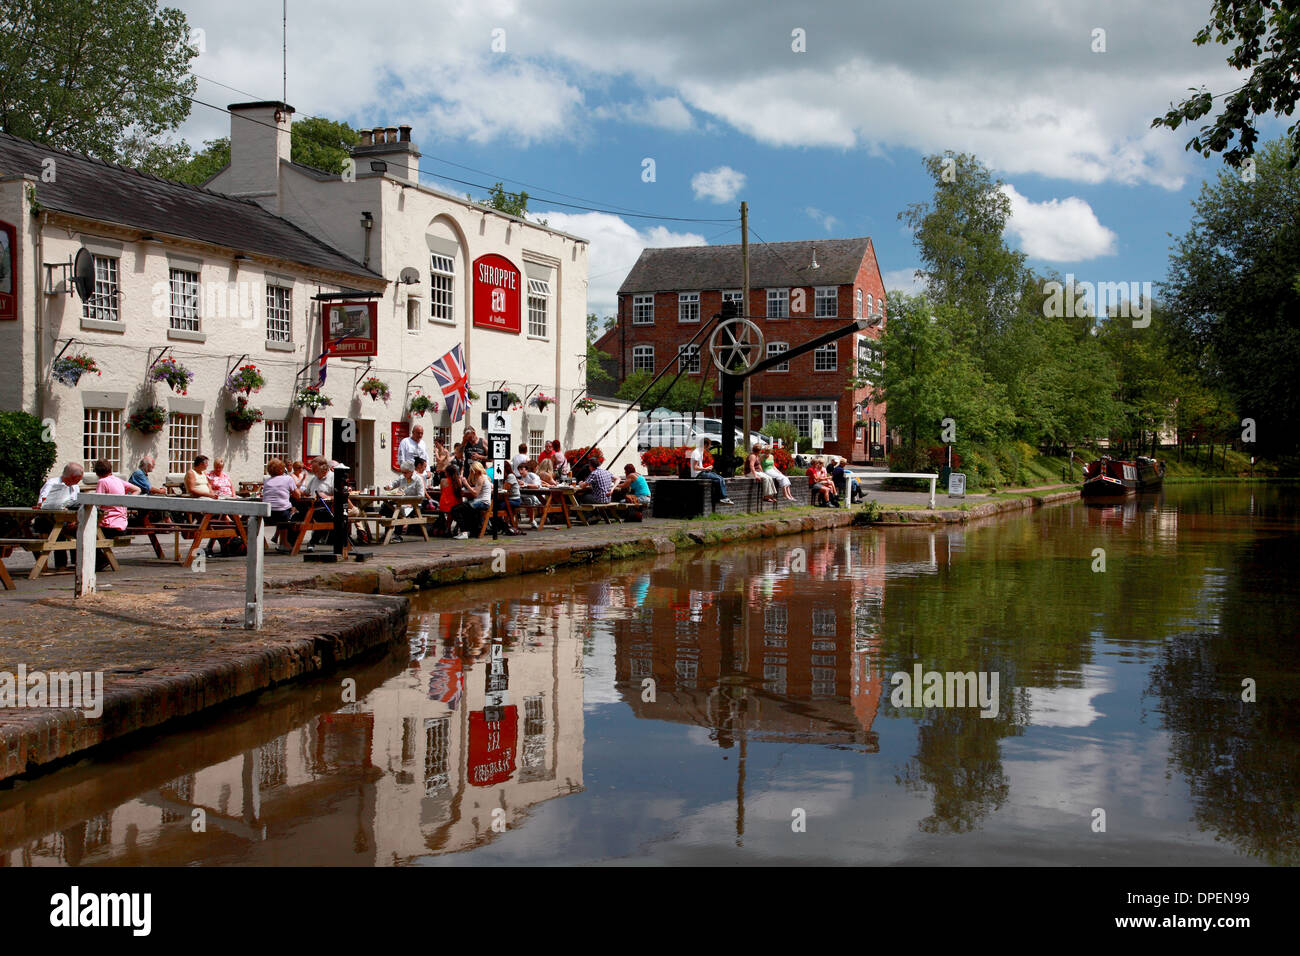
{"x": 449, "y": 495}
{"x": 820, "y": 483}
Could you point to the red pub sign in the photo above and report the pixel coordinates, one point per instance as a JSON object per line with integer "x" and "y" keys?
{"x": 351, "y": 329}
{"x": 9, "y": 271}
{"x": 492, "y": 747}
{"x": 497, "y": 285}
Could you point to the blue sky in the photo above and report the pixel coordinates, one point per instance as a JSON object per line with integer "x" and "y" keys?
{"x": 825, "y": 141}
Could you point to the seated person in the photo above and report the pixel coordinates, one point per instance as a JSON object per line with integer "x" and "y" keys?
{"x": 754, "y": 469}
{"x": 476, "y": 502}
{"x": 546, "y": 473}
{"x": 780, "y": 480}
{"x": 528, "y": 479}
{"x": 411, "y": 483}
{"x": 59, "y": 494}
{"x": 219, "y": 481}
{"x": 632, "y": 488}
{"x": 140, "y": 477}
{"x": 316, "y": 490}
{"x": 449, "y": 494}
{"x": 112, "y": 519}
{"x": 594, "y": 484}
{"x": 196, "y": 480}
{"x": 278, "y": 491}
{"x": 701, "y": 467}
{"x": 820, "y": 484}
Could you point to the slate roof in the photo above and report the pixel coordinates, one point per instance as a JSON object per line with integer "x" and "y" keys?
{"x": 777, "y": 264}
{"x": 106, "y": 192}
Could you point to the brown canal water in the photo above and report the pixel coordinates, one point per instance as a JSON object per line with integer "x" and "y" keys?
{"x": 743, "y": 705}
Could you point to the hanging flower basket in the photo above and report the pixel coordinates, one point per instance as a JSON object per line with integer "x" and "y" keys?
{"x": 420, "y": 404}
{"x": 310, "y": 398}
{"x": 376, "y": 389}
{"x": 148, "y": 420}
{"x": 176, "y": 375}
{"x": 513, "y": 400}
{"x": 68, "y": 369}
{"x": 862, "y": 423}
{"x": 541, "y": 402}
{"x": 241, "y": 418}
{"x": 246, "y": 379}
{"x": 585, "y": 405}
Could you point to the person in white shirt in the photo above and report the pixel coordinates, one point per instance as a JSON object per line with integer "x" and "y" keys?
{"x": 699, "y": 471}
{"x": 412, "y": 446}
{"x": 521, "y": 457}
{"x": 59, "y": 494}
{"x": 411, "y": 483}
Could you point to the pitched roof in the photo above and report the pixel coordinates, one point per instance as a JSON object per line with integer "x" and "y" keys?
{"x": 106, "y": 192}
{"x": 770, "y": 264}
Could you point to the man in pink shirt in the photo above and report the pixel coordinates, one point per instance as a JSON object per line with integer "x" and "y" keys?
{"x": 112, "y": 520}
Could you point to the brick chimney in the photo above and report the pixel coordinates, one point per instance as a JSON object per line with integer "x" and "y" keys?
{"x": 391, "y": 145}
{"x": 259, "y": 140}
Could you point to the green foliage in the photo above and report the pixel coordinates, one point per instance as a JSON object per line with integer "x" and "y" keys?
{"x": 27, "y": 460}
{"x": 786, "y": 431}
{"x": 684, "y": 395}
{"x": 514, "y": 204}
{"x": 107, "y": 79}
{"x": 1267, "y": 45}
{"x": 1233, "y": 299}
{"x": 199, "y": 167}
{"x": 596, "y": 371}
{"x": 321, "y": 143}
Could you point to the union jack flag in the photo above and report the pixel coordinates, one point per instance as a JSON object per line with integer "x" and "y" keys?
{"x": 453, "y": 377}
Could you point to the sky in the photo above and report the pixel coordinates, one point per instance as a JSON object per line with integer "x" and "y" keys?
{"x": 816, "y": 114}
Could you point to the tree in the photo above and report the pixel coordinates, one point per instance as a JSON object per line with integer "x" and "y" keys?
{"x": 198, "y": 168}
{"x": 29, "y": 456}
{"x": 514, "y": 204}
{"x": 1232, "y": 297}
{"x": 104, "y": 78}
{"x": 322, "y": 143}
{"x": 597, "y": 374}
{"x": 685, "y": 395}
{"x": 1267, "y": 43}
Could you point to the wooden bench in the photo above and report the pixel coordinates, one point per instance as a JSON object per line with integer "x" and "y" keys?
{"x": 5, "y": 579}
{"x": 320, "y": 518}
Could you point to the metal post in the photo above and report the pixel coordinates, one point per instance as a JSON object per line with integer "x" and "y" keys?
{"x": 340, "y": 509}
{"x": 728, "y": 465}
{"x": 744, "y": 308}
{"x": 253, "y": 576}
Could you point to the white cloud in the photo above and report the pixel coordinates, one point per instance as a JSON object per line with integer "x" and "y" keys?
{"x": 721, "y": 184}
{"x": 615, "y": 246}
{"x": 823, "y": 219}
{"x": 665, "y": 112}
{"x": 902, "y": 280}
{"x": 1058, "y": 230}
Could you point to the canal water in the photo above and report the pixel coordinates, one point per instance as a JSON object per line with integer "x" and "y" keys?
{"x": 1139, "y": 664}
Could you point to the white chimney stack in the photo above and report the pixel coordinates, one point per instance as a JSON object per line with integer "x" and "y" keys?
{"x": 259, "y": 141}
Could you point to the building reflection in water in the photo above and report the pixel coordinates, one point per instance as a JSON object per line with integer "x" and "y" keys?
{"x": 446, "y": 748}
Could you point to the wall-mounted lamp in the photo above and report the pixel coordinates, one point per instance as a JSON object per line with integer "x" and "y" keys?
{"x": 367, "y": 221}
{"x": 378, "y": 166}
{"x": 383, "y": 440}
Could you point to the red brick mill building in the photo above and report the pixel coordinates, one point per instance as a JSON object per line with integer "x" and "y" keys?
{"x": 798, "y": 290}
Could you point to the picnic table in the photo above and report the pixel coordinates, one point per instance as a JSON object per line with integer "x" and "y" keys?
{"x": 557, "y": 500}
{"x": 17, "y": 527}
{"x": 370, "y": 504}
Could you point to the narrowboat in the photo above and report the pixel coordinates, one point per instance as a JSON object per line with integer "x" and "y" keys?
{"x": 1113, "y": 478}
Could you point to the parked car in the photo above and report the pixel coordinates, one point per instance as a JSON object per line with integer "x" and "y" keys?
{"x": 676, "y": 431}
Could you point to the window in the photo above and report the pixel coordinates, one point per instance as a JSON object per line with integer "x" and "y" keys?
{"x": 437, "y": 745}
{"x": 442, "y": 286}
{"x": 778, "y": 303}
{"x": 643, "y": 358}
{"x": 185, "y": 300}
{"x": 688, "y": 358}
{"x": 801, "y": 414}
{"x": 688, "y": 307}
{"x": 825, "y": 303}
{"x": 101, "y": 437}
{"x": 866, "y": 358}
{"x": 643, "y": 310}
{"x": 775, "y": 619}
{"x": 539, "y": 293}
{"x": 736, "y": 296}
{"x": 776, "y": 348}
{"x": 103, "y": 301}
{"x": 182, "y": 442}
{"x": 825, "y": 358}
{"x": 857, "y": 309}
{"x": 536, "y": 443}
{"x": 279, "y": 314}
{"x": 823, "y": 625}
{"x": 275, "y": 442}
{"x": 413, "y": 315}
{"x": 870, "y": 307}
{"x": 441, "y": 433}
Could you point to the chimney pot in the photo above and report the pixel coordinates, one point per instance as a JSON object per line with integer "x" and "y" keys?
{"x": 391, "y": 132}
{"x": 379, "y": 134}
{"x": 404, "y": 134}
{"x": 366, "y": 137}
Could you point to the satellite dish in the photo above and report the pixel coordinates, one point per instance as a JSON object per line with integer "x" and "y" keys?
{"x": 409, "y": 276}
{"x": 83, "y": 274}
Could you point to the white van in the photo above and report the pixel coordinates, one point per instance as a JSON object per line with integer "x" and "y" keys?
{"x": 677, "y": 431}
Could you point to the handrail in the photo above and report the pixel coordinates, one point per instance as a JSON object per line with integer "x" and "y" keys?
{"x": 859, "y": 475}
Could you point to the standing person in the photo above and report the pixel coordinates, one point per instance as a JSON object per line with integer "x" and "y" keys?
{"x": 754, "y": 467}
{"x": 700, "y": 470}
{"x": 441, "y": 456}
{"x": 196, "y": 480}
{"x": 474, "y": 449}
{"x": 562, "y": 469}
{"x": 59, "y": 494}
{"x": 112, "y": 519}
{"x": 278, "y": 491}
{"x": 773, "y": 472}
{"x": 449, "y": 495}
{"x": 219, "y": 481}
{"x": 140, "y": 477}
{"x": 520, "y": 457}
{"x": 412, "y": 446}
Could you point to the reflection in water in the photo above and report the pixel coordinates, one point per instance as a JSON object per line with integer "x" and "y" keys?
{"x": 680, "y": 709}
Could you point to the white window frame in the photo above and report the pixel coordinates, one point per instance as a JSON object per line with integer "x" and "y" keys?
{"x": 734, "y": 295}
{"x": 101, "y": 437}
{"x": 822, "y": 295}
{"x": 688, "y": 308}
{"x": 104, "y": 304}
{"x": 442, "y": 288}
{"x": 801, "y": 413}
{"x": 539, "y": 297}
{"x": 774, "y": 349}
{"x": 536, "y": 443}
{"x": 781, "y": 299}
{"x": 275, "y": 441}
{"x": 185, "y": 295}
{"x": 279, "y": 312}
{"x": 184, "y": 436}
{"x": 819, "y": 355}
{"x": 691, "y": 355}
{"x": 858, "y": 300}
{"x": 643, "y": 309}
{"x": 643, "y": 358}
